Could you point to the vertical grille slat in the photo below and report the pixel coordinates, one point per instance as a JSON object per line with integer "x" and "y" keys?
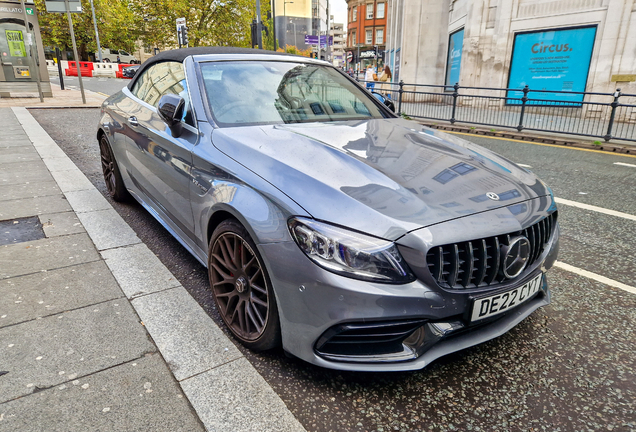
{"x": 481, "y": 269}
{"x": 454, "y": 260}
{"x": 495, "y": 262}
{"x": 475, "y": 263}
{"x": 537, "y": 241}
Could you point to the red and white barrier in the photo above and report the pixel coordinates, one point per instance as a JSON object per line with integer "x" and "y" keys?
{"x": 88, "y": 69}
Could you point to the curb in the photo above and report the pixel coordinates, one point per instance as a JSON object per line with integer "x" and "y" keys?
{"x": 224, "y": 389}
{"x": 606, "y": 147}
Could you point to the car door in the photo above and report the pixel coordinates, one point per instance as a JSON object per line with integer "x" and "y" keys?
{"x": 160, "y": 164}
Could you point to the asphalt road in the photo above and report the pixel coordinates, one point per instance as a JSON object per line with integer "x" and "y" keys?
{"x": 568, "y": 367}
{"x": 102, "y": 85}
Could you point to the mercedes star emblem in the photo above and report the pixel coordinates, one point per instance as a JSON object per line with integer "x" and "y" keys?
{"x": 493, "y": 196}
{"x": 514, "y": 257}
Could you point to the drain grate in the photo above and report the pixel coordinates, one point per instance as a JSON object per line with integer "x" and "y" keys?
{"x": 20, "y": 230}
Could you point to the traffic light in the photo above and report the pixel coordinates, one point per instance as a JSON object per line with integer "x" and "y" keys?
{"x": 184, "y": 35}
{"x": 375, "y": 49}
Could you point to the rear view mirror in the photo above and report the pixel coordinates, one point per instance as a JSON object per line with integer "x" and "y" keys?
{"x": 170, "y": 109}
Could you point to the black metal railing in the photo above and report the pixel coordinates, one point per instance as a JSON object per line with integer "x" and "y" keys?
{"x": 595, "y": 115}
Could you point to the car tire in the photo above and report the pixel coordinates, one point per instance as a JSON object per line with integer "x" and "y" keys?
{"x": 112, "y": 176}
{"x": 242, "y": 288}
{"x": 106, "y": 60}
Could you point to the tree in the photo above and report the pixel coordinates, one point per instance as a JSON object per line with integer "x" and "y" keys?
{"x": 209, "y": 22}
{"x": 118, "y": 26}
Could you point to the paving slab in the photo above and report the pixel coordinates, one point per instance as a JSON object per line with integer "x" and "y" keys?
{"x": 129, "y": 397}
{"x": 46, "y": 254}
{"x": 24, "y": 173}
{"x": 50, "y": 351}
{"x": 33, "y": 206}
{"x": 18, "y": 154}
{"x": 87, "y": 201}
{"x": 107, "y": 229}
{"x": 138, "y": 270}
{"x": 234, "y": 397}
{"x": 47, "y": 293}
{"x": 28, "y": 190}
{"x": 59, "y": 224}
{"x": 187, "y": 337}
{"x": 15, "y": 141}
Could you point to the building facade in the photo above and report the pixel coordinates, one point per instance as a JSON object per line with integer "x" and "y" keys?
{"x": 558, "y": 45}
{"x": 338, "y": 49}
{"x": 366, "y": 29}
{"x": 297, "y": 18}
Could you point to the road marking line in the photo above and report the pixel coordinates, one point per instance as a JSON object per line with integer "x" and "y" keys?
{"x": 103, "y": 94}
{"x": 543, "y": 144}
{"x": 524, "y": 165}
{"x": 624, "y": 164}
{"x": 595, "y": 208}
{"x": 596, "y": 277}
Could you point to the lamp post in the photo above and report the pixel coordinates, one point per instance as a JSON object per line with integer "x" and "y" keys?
{"x": 285, "y": 20}
{"x": 274, "y": 21}
{"x": 99, "y": 48}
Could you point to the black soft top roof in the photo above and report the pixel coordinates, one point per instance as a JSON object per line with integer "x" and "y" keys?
{"x": 178, "y": 55}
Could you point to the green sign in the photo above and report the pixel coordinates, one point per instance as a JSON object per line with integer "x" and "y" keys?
{"x": 29, "y": 11}
{"x": 16, "y": 43}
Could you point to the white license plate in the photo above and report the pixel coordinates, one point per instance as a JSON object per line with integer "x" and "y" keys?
{"x": 500, "y": 303}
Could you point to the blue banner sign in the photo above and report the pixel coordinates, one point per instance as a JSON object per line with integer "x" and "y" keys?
{"x": 454, "y": 62}
{"x": 311, "y": 40}
{"x": 557, "y": 60}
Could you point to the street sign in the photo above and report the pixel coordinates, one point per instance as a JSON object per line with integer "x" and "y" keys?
{"x": 349, "y": 56}
{"x": 323, "y": 40}
{"x": 59, "y": 6}
{"x": 311, "y": 40}
{"x": 181, "y": 22}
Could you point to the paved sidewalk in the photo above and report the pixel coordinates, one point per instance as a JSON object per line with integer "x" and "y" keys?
{"x": 61, "y": 99}
{"x": 95, "y": 333}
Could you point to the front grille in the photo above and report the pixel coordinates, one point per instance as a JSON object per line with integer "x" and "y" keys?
{"x": 476, "y": 263}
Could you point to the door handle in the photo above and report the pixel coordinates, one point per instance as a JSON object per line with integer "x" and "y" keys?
{"x": 132, "y": 120}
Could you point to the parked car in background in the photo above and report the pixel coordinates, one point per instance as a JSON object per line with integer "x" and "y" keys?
{"x": 110, "y": 56}
{"x": 356, "y": 239}
{"x": 130, "y": 71}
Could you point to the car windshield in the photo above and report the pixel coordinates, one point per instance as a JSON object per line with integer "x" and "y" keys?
{"x": 260, "y": 92}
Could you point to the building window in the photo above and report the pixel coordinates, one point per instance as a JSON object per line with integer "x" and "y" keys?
{"x": 369, "y": 10}
{"x": 380, "y": 11}
{"x": 353, "y": 38}
{"x": 355, "y": 14}
{"x": 379, "y": 36}
{"x": 369, "y": 40}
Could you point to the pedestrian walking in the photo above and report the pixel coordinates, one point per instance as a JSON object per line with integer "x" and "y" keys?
{"x": 369, "y": 77}
{"x": 386, "y": 78}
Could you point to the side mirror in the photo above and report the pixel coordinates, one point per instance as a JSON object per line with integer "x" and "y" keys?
{"x": 385, "y": 100}
{"x": 170, "y": 109}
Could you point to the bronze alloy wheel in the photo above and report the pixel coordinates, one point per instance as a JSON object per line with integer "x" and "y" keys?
{"x": 241, "y": 287}
{"x": 112, "y": 176}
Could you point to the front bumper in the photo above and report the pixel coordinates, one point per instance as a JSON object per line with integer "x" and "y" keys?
{"x": 312, "y": 302}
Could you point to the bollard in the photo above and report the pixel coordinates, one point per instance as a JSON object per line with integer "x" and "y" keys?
{"x": 455, "y": 96}
{"x": 524, "y": 99}
{"x": 608, "y": 135}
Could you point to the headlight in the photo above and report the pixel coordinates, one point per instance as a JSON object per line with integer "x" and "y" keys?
{"x": 349, "y": 253}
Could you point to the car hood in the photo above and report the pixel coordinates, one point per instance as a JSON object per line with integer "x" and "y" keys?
{"x": 384, "y": 177}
